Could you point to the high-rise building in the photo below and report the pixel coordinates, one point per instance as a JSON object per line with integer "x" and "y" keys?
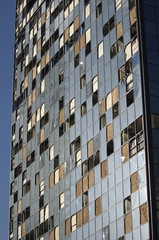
{"x": 85, "y": 121}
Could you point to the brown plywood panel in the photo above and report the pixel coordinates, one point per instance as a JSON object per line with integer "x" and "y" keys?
{"x": 85, "y": 183}
{"x": 76, "y": 48}
{"x": 24, "y": 154}
{"x": 62, "y": 171}
{"x": 110, "y": 132}
{"x": 85, "y": 215}
{"x": 51, "y": 235}
{"x": 125, "y": 151}
{"x": 33, "y": 119}
{"x": 98, "y": 208}
{"x": 39, "y": 45}
{"x": 143, "y": 213}
{"x": 82, "y": 42}
{"x": 79, "y": 219}
{"x": 66, "y": 34}
{"x": 128, "y": 223}
{"x": 133, "y": 17}
{"x": 61, "y": 116}
{"x": 42, "y": 135}
{"x": 115, "y": 95}
{"x": 23, "y": 229}
{"x": 104, "y": 169}
{"x": 43, "y": 17}
{"x": 91, "y": 178}
{"x": 19, "y": 206}
{"x": 29, "y": 100}
{"x": 67, "y": 227}
{"x": 26, "y": 82}
{"x": 90, "y": 148}
{"x": 79, "y": 188}
{"x": 51, "y": 180}
{"x": 34, "y": 72}
{"x": 76, "y": 23}
{"x": 119, "y": 30}
{"x": 134, "y": 182}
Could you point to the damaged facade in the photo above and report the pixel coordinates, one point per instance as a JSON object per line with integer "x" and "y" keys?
{"x": 85, "y": 121}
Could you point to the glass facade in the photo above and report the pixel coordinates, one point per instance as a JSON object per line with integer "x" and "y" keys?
{"x": 78, "y": 158}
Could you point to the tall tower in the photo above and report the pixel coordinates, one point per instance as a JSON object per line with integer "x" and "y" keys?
{"x": 85, "y": 121}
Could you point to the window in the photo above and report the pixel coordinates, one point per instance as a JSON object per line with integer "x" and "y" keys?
{"x": 113, "y": 50}
{"x": 98, "y": 207}
{"x": 24, "y": 177}
{"x": 72, "y": 106}
{"x": 76, "y": 61}
{"x": 100, "y": 49}
{"x": 51, "y": 152}
{"x": 117, "y": 4}
{"x": 85, "y": 199}
{"x": 99, "y": 10}
{"x": 41, "y": 189}
{"x": 62, "y": 200}
{"x": 110, "y": 147}
{"x": 73, "y": 223}
{"x": 37, "y": 178}
{"x": 42, "y": 86}
{"x": 57, "y": 234}
{"x": 26, "y": 188}
{"x": 88, "y": 35}
{"x": 87, "y": 11}
{"x": 127, "y": 205}
{"x": 102, "y": 121}
{"x": 83, "y": 81}
{"x": 21, "y": 132}
{"x": 30, "y": 158}
{"x": 78, "y": 158}
{"x": 61, "y": 77}
{"x": 43, "y": 146}
{"x": 83, "y": 109}
{"x": 61, "y": 103}
{"x": 17, "y": 114}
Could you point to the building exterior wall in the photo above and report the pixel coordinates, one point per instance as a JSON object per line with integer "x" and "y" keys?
{"x": 78, "y": 165}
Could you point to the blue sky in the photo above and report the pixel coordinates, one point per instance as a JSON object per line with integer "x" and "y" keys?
{"x": 6, "y": 75}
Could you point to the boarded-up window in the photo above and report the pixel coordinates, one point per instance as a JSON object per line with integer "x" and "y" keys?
{"x": 51, "y": 235}
{"x": 61, "y": 116}
{"x": 47, "y": 57}
{"x": 134, "y": 182}
{"x": 91, "y": 178}
{"x": 98, "y": 208}
{"x": 62, "y": 171}
{"x": 79, "y": 219}
{"x": 51, "y": 180}
{"x": 29, "y": 100}
{"x": 67, "y": 227}
{"x": 128, "y": 223}
{"x": 33, "y": 119}
{"x": 85, "y": 215}
{"x": 39, "y": 44}
{"x": 78, "y": 188}
{"x": 104, "y": 169}
{"x": 85, "y": 183}
{"x": 24, "y": 152}
{"x": 66, "y": 34}
{"x": 119, "y": 30}
{"x": 125, "y": 152}
{"x": 115, "y": 95}
{"x": 23, "y": 229}
{"x": 42, "y": 136}
{"x": 26, "y": 82}
{"x": 76, "y": 48}
{"x": 110, "y": 132}
{"x": 76, "y": 23}
{"x": 90, "y": 148}
{"x": 82, "y": 42}
{"x": 43, "y": 17}
{"x": 133, "y": 17}
{"x": 102, "y": 107}
{"x": 42, "y": 62}
{"x": 19, "y": 206}
{"x": 143, "y": 213}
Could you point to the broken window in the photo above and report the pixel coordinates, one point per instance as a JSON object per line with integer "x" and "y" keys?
{"x": 83, "y": 109}
{"x": 127, "y": 205}
{"x": 100, "y": 50}
{"x": 113, "y": 50}
{"x": 62, "y": 200}
{"x": 85, "y": 199}
{"x": 26, "y": 188}
{"x": 98, "y": 10}
{"x": 61, "y": 77}
{"x": 73, "y": 223}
